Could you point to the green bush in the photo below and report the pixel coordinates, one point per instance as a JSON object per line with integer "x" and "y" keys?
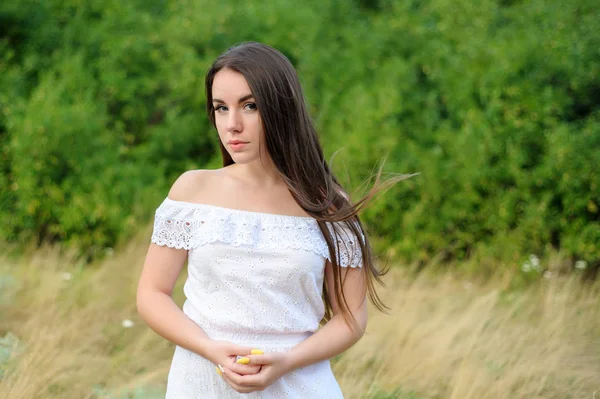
{"x": 495, "y": 103}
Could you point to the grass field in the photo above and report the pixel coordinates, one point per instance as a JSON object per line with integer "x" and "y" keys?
{"x": 73, "y": 332}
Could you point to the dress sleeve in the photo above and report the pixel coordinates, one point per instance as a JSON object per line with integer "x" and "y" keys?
{"x": 347, "y": 249}
{"x": 174, "y": 226}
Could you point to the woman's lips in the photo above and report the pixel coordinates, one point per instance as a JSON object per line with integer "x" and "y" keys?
{"x": 237, "y": 145}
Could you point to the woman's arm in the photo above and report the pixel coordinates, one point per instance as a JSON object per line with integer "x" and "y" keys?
{"x": 155, "y": 303}
{"x": 335, "y": 336}
{"x": 330, "y": 340}
{"x": 157, "y": 308}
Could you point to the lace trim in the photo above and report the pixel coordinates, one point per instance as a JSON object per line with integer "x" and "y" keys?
{"x": 185, "y": 225}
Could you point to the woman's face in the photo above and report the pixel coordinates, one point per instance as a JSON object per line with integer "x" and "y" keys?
{"x": 236, "y": 117}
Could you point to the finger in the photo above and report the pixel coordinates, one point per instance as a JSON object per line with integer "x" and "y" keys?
{"x": 244, "y": 369}
{"x": 244, "y": 350}
{"x": 251, "y": 381}
{"x": 237, "y": 387}
{"x": 230, "y": 376}
{"x": 239, "y": 382}
{"x": 255, "y": 359}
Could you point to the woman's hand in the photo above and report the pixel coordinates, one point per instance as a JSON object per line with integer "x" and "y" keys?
{"x": 272, "y": 367}
{"x": 226, "y": 353}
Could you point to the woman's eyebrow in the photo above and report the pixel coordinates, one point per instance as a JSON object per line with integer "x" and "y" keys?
{"x": 241, "y": 100}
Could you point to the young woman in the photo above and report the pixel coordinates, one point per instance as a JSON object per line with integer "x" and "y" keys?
{"x": 273, "y": 244}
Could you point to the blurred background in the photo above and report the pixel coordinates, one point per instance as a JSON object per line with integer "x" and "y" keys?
{"x": 494, "y": 246}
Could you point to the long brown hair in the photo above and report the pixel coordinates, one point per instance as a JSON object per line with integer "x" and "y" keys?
{"x": 293, "y": 144}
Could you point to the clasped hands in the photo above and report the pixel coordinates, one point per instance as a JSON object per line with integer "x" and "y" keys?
{"x": 254, "y": 371}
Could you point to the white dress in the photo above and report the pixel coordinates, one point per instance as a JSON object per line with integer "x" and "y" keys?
{"x": 254, "y": 279}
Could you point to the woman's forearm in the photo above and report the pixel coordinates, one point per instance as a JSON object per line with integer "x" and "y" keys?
{"x": 161, "y": 313}
{"x": 329, "y": 341}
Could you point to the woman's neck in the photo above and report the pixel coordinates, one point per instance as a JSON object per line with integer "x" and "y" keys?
{"x": 260, "y": 173}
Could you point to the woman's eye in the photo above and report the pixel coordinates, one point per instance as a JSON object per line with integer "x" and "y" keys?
{"x": 250, "y": 106}
{"x": 221, "y": 108}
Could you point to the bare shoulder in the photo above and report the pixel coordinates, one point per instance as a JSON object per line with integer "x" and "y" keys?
{"x": 191, "y": 184}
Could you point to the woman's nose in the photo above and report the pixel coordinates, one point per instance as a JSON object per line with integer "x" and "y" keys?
{"x": 234, "y": 122}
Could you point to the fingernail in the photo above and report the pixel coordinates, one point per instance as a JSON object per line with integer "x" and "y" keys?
{"x": 243, "y": 360}
{"x": 218, "y": 371}
{"x": 256, "y": 352}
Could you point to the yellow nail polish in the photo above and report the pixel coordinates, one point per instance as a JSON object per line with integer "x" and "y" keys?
{"x": 218, "y": 371}
{"x": 243, "y": 360}
{"x": 256, "y": 352}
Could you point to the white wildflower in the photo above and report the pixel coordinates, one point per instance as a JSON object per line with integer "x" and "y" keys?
{"x": 535, "y": 262}
{"x": 580, "y": 264}
{"x": 127, "y": 323}
{"x": 532, "y": 264}
{"x": 67, "y": 276}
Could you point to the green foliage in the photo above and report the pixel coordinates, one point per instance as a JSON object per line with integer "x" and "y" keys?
{"x": 495, "y": 103}
{"x": 95, "y": 122}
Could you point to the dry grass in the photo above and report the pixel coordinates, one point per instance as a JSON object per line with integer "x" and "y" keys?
{"x": 445, "y": 338}
{"x": 452, "y": 339}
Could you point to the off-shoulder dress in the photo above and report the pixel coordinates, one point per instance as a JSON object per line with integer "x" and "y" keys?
{"x": 254, "y": 279}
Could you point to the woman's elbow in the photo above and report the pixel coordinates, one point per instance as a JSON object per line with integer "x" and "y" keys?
{"x": 358, "y": 325}
{"x": 140, "y": 302}
{"x": 361, "y": 327}
{"x": 144, "y": 300}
